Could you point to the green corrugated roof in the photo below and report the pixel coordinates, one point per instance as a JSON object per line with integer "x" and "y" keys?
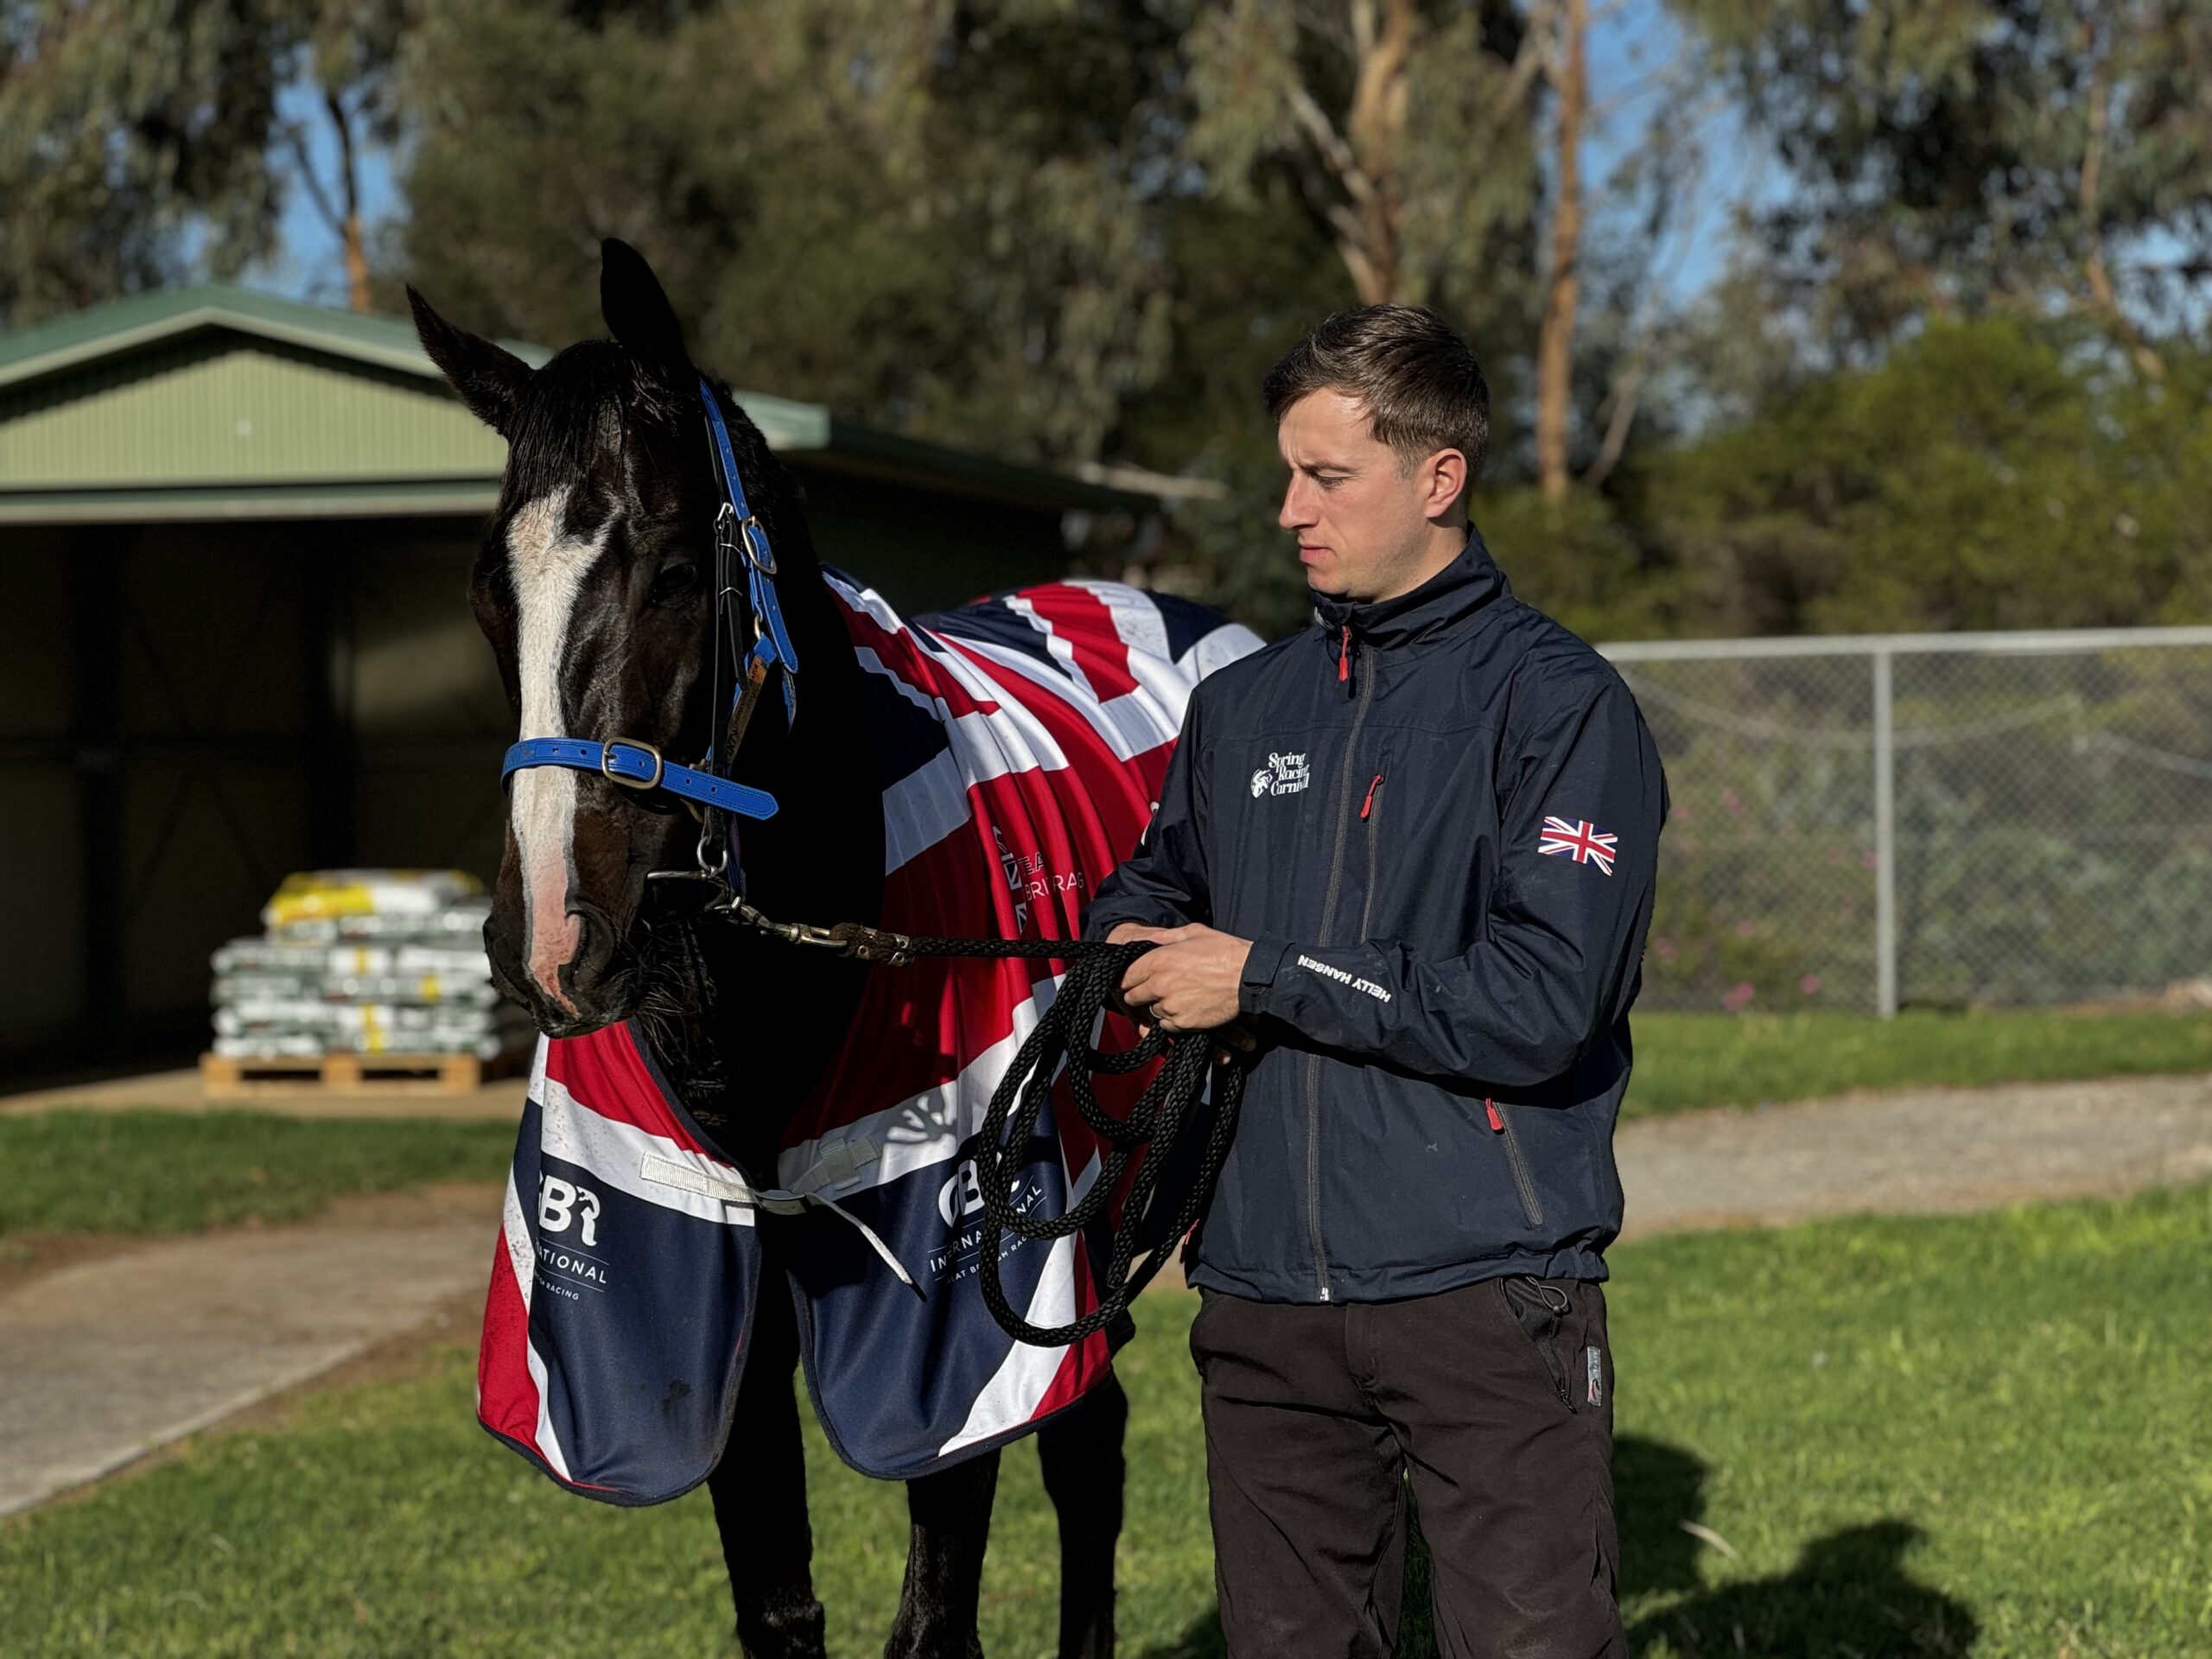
{"x": 103, "y": 330}
{"x": 218, "y": 395}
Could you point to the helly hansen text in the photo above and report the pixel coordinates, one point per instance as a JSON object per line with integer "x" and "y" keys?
{"x": 1344, "y": 978}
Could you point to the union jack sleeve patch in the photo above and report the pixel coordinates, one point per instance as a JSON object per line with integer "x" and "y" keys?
{"x": 1579, "y": 840}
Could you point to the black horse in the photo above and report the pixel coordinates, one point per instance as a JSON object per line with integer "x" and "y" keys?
{"x": 594, "y": 588}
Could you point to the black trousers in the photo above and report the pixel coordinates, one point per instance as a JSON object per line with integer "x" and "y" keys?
{"x": 1494, "y": 1403}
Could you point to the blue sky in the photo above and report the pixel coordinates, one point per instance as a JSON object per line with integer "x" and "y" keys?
{"x": 1636, "y": 51}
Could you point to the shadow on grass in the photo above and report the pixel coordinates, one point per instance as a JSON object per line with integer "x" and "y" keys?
{"x": 1849, "y": 1592}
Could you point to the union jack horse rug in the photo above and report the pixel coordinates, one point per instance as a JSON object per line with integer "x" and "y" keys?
{"x": 1020, "y": 743}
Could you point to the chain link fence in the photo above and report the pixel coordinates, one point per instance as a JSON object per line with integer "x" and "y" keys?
{"x": 1862, "y": 822}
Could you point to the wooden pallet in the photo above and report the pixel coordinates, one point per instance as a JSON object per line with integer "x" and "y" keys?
{"x": 226, "y": 1075}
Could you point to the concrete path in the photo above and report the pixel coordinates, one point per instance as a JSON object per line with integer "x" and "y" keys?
{"x": 106, "y": 1359}
{"x": 102, "y": 1361}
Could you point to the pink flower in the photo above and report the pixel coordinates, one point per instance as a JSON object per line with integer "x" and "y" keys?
{"x": 1867, "y": 861}
{"x": 1810, "y": 984}
{"x": 1733, "y": 802}
{"x": 1744, "y": 927}
{"x": 1683, "y": 812}
{"x": 1738, "y": 999}
{"x": 1665, "y": 949}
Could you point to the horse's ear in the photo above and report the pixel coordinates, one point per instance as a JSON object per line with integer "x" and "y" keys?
{"x": 637, "y": 310}
{"x": 489, "y": 379}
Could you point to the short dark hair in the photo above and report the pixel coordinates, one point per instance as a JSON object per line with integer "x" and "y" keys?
{"x": 1423, "y": 389}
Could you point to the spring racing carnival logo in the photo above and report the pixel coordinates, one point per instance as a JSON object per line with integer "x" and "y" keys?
{"x": 1284, "y": 774}
{"x": 568, "y": 1266}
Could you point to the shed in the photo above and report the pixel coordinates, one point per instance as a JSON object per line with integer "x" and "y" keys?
{"x": 235, "y": 533}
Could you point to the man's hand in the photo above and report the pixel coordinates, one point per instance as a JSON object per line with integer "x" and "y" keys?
{"x": 1190, "y": 982}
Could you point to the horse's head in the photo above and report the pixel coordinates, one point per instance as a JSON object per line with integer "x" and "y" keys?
{"x": 594, "y": 586}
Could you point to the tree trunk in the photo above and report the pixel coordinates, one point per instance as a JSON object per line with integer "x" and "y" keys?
{"x": 357, "y": 265}
{"x": 1556, "y": 341}
{"x": 1376, "y": 125}
{"x": 1354, "y": 177}
{"x": 349, "y": 224}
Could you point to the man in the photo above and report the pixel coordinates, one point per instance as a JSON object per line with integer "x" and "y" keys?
{"x": 1409, "y": 850}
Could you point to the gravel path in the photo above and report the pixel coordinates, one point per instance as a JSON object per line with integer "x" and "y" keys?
{"x": 1915, "y": 1151}
{"x": 105, "y": 1358}
{"x": 500, "y": 1100}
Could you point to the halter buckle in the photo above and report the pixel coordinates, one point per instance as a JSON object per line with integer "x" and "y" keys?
{"x": 606, "y": 761}
{"x": 757, "y": 550}
{"x": 736, "y": 532}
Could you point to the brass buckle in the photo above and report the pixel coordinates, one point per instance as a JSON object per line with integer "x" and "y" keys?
{"x": 606, "y": 757}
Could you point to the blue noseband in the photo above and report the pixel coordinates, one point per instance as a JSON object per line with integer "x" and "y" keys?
{"x": 638, "y": 766}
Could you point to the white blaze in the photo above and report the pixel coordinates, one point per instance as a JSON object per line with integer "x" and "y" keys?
{"x": 548, "y": 571}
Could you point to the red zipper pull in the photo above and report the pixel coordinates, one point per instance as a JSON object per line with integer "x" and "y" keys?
{"x": 1497, "y": 1123}
{"x": 1344, "y": 657}
{"x": 1367, "y": 805}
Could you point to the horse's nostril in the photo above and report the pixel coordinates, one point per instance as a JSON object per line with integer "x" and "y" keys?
{"x": 594, "y": 943}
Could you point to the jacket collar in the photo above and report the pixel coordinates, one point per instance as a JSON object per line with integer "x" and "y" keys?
{"x": 1458, "y": 591}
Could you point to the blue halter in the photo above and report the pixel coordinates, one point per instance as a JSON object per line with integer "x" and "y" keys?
{"x": 738, "y": 536}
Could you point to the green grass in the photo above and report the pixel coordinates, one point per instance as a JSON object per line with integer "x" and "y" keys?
{"x": 150, "y": 1172}
{"x": 1717, "y": 1060}
{"x": 1919, "y": 1436}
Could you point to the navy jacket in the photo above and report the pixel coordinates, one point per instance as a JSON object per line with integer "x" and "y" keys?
{"x": 1436, "y": 818}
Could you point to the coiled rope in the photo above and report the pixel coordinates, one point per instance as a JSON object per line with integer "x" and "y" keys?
{"x": 1062, "y": 1038}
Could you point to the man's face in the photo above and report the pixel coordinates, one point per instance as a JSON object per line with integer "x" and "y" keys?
{"x": 1363, "y": 520}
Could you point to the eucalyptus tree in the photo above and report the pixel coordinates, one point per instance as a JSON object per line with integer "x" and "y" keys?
{"x": 1953, "y": 157}
{"x": 144, "y": 143}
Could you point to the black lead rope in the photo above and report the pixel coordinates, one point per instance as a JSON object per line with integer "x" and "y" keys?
{"x": 1062, "y": 1037}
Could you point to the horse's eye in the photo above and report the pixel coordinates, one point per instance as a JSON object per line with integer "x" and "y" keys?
{"x": 673, "y": 582}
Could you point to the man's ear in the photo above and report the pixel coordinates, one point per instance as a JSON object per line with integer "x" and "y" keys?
{"x": 489, "y": 379}
{"x": 1449, "y": 477}
{"x": 637, "y": 310}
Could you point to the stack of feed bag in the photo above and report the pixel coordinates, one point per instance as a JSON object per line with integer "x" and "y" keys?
{"x": 364, "y": 962}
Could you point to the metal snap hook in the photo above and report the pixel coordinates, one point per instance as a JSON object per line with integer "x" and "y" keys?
{"x": 720, "y": 868}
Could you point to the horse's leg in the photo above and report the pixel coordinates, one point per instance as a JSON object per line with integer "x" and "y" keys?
{"x": 1081, "y": 1452}
{"x": 951, "y": 1517}
{"x": 760, "y": 1493}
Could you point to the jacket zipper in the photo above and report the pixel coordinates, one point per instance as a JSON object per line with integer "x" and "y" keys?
{"x": 1328, "y": 922}
{"x": 1529, "y": 1207}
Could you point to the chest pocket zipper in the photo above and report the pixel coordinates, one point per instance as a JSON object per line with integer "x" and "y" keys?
{"x": 1499, "y": 1126}
{"x": 1371, "y": 813}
